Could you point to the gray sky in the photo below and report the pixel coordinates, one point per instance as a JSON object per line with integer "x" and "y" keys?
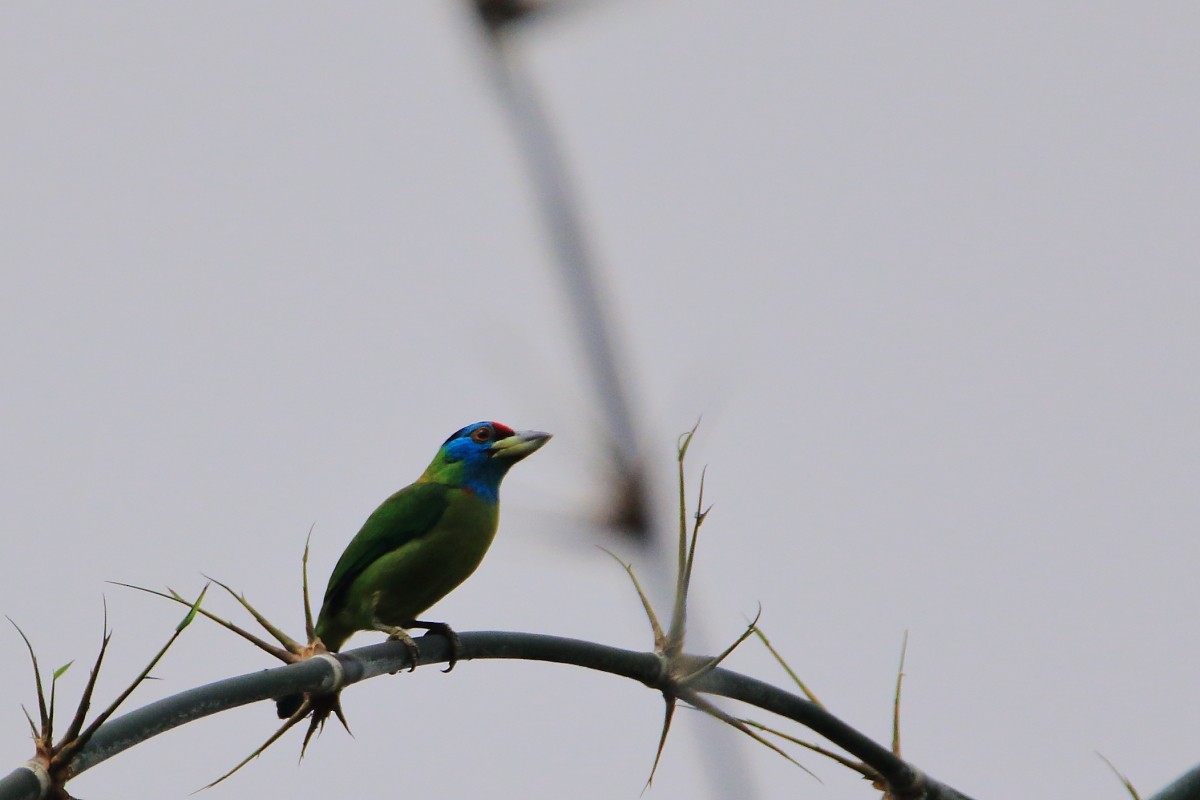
{"x": 928, "y": 272}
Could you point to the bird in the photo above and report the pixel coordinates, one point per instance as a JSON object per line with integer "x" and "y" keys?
{"x": 421, "y": 543}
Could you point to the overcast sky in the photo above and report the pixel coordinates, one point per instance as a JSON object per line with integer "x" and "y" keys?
{"x": 928, "y": 271}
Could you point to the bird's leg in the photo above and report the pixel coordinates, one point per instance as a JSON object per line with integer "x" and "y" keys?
{"x": 398, "y": 634}
{"x": 445, "y": 630}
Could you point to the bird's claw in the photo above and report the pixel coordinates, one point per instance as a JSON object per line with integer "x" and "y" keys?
{"x": 442, "y": 629}
{"x": 455, "y": 646}
{"x": 414, "y": 652}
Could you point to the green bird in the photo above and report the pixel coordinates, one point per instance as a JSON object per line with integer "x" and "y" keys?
{"x": 422, "y": 542}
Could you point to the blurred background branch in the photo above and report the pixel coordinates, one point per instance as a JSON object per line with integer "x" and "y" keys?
{"x": 628, "y": 499}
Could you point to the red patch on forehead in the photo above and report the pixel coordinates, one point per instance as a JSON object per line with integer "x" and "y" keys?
{"x": 502, "y": 431}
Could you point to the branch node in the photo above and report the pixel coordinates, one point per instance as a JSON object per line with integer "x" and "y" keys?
{"x": 662, "y": 678}
{"x": 39, "y": 771}
{"x": 335, "y": 666}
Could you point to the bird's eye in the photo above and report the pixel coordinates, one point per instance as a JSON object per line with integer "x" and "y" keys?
{"x": 481, "y": 435}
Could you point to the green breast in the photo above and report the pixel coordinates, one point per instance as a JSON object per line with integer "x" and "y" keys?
{"x": 418, "y": 546}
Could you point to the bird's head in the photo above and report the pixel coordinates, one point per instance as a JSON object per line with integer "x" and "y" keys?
{"x": 478, "y": 456}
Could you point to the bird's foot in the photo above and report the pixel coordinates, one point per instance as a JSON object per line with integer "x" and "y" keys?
{"x": 442, "y": 629}
{"x": 400, "y": 635}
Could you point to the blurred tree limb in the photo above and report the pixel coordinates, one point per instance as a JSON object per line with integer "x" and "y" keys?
{"x": 629, "y": 498}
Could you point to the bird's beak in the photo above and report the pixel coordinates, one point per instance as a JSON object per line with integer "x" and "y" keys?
{"x": 519, "y": 445}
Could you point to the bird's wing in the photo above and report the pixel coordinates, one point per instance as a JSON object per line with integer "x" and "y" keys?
{"x": 402, "y": 518}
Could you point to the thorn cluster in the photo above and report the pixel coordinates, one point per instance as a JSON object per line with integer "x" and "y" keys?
{"x": 317, "y": 708}
{"x": 54, "y": 758}
{"x": 680, "y": 671}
